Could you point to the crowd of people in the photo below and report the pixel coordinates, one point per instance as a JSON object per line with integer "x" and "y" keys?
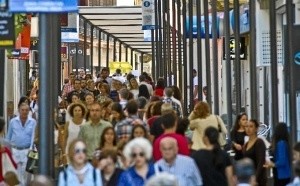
{"x": 127, "y": 131}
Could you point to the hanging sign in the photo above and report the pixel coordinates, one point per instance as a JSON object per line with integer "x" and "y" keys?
{"x": 232, "y": 48}
{"x": 148, "y": 15}
{"x": 70, "y": 28}
{"x": 46, "y": 6}
{"x": 7, "y": 30}
{"x": 202, "y": 24}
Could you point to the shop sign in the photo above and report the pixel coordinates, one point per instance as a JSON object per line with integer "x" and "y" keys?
{"x": 70, "y": 32}
{"x": 46, "y": 6}
{"x": 7, "y": 30}
{"x": 148, "y": 15}
{"x": 202, "y": 29}
{"x": 232, "y": 48}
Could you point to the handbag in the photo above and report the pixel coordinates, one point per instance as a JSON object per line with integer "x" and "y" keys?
{"x": 32, "y": 162}
{"x": 222, "y": 136}
{"x": 8, "y": 164}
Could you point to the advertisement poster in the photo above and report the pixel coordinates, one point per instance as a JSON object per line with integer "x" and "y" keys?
{"x": 7, "y": 30}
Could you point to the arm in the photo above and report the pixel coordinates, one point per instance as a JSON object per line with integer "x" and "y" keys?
{"x": 195, "y": 91}
{"x": 9, "y": 133}
{"x": 61, "y": 179}
{"x": 260, "y": 153}
{"x": 98, "y": 178}
{"x": 193, "y": 125}
{"x": 33, "y": 135}
{"x": 222, "y": 125}
{"x": 229, "y": 175}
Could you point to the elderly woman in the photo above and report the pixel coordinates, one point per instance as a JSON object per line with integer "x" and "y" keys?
{"x": 138, "y": 152}
{"x": 200, "y": 119}
{"x": 79, "y": 171}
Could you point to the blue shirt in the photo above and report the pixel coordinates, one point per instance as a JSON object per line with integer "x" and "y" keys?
{"x": 184, "y": 169}
{"x": 69, "y": 177}
{"x": 282, "y": 160}
{"x": 131, "y": 178}
{"x": 19, "y": 135}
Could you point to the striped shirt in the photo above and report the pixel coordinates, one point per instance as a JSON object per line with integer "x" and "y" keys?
{"x": 184, "y": 168}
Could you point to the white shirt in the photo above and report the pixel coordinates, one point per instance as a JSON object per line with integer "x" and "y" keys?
{"x": 73, "y": 131}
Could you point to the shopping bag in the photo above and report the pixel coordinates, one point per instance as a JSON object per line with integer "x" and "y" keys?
{"x": 32, "y": 162}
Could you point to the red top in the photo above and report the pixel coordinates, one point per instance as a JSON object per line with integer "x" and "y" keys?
{"x": 159, "y": 92}
{"x": 7, "y": 151}
{"x": 181, "y": 141}
{"x": 151, "y": 120}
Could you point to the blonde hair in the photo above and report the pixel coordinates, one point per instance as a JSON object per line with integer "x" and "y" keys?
{"x": 72, "y": 148}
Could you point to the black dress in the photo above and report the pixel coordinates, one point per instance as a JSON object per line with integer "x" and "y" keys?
{"x": 258, "y": 155}
{"x": 113, "y": 181}
{"x": 211, "y": 175}
{"x": 239, "y": 138}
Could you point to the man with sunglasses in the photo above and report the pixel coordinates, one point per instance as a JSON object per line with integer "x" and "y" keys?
{"x": 183, "y": 167}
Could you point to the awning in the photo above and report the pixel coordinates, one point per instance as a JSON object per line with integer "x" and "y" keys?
{"x": 122, "y": 22}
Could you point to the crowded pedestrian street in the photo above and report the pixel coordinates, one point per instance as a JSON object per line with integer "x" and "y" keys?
{"x": 149, "y": 93}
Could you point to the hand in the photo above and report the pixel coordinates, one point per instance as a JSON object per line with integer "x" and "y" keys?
{"x": 269, "y": 164}
{"x": 102, "y": 164}
{"x": 237, "y": 146}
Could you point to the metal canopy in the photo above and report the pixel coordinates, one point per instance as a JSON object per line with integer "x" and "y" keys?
{"x": 123, "y": 23}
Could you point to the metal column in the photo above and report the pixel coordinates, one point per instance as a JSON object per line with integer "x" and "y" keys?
{"x": 126, "y": 54}
{"x": 76, "y": 56}
{"x": 273, "y": 53}
{"x": 174, "y": 47}
{"x": 237, "y": 60}
{"x": 2, "y": 82}
{"x": 185, "y": 70}
{"x": 99, "y": 48}
{"x": 228, "y": 63}
{"x": 115, "y": 50}
{"x": 207, "y": 52}
{"x": 153, "y": 55}
{"x": 157, "y": 40}
{"x": 142, "y": 62}
{"x": 292, "y": 80}
{"x": 92, "y": 49}
{"x": 215, "y": 56}
{"x": 164, "y": 45}
{"x": 179, "y": 37}
{"x": 48, "y": 56}
{"x": 160, "y": 40}
{"x": 120, "y": 51}
{"x": 199, "y": 50}
{"x": 253, "y": 77}
{"x": 131, "y": 57}
{"x": 169, "y": 61}
{"x": 107, "y": 50}
{"x": 84, "y": 43}
{"x": 191, "y": 54}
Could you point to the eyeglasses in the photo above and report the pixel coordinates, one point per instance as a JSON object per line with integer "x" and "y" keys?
{"x": 78, "y": 151}
{"x": 134, "y": 155}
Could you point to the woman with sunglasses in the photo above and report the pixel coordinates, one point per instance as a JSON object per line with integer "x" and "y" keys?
{"x": 79, "y": 172}
{"x": 139, "y": 153}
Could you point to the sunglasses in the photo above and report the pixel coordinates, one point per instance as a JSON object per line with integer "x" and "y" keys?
{"x": 134, "y": 155}
{"x": 78, "y": 151}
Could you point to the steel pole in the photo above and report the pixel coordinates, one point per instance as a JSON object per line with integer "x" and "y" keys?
{"x": 164, "y": 45}
{"x": 169, "y": 62}
{"x": 76, "y": 55}
{"x": 291, "y": 75}
{"x": 228, "y": 64}
{"x": 237, "y": 60}
{"x": 199, "y": 50}
{"x": 179, "y": 38}
{"x": 191, "y": 54}
{"x": 207, "y": 52}
{"x": 174, "y": 47}
{"x": 2, "y": 81}
{"x": 185, "y": 69}
{"x": 215, "y": 55}
{"x": 84, "y": 43}
{"x": 115, "y": 50}
{"x": 92, "y": 49}
{"x": 142, "y": 62}
{"x": 253, "y": 76}
{"x": 157, "y": 41}
{"x": 107, "y": 50}
{"x": 126, "y": 54}
{"x": 47, "y": 49}
{"x": 153, "y": 55}
{"x": 99, "y": 49}
{"x": 131, "y": 57}
{"x": 120, "y": 51}
{"x": 160, "y": 40}
{"x": 273, "y": 53}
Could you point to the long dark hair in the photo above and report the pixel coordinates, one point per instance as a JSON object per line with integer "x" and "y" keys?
{"x": 280, "y": 133}
{"x": 143, "y": 91}
{"x": 237, "y": 121}
{"x": 212, "y": 135}
{"x": 103, "y": 137}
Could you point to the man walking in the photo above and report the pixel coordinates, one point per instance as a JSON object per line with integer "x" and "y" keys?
{"x": 21, "y": 135}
